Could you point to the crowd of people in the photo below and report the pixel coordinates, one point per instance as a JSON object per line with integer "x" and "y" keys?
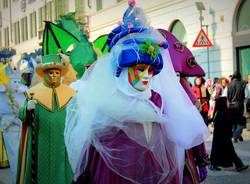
{"x": 130, "y": 119}
{"x": 224, "y": 104}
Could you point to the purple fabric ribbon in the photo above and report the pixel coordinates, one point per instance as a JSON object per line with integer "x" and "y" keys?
{"x": 202, "y": 173}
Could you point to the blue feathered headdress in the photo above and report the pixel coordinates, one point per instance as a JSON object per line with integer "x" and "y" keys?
{"x": 137, "y": 50}
{"x": 141, "y": 51}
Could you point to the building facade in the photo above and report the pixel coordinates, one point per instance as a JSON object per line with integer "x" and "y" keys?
{"x": 226, "y": 22}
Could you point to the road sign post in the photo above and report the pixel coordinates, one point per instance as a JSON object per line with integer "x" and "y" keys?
{"x": 202, "y": 40}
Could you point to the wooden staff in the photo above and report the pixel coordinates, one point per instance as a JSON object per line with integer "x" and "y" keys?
{"x": 33, "y": 145}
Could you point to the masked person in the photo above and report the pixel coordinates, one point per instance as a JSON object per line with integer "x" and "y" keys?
{"x": 43, "y": 156}
{"x": 3, "y": 80}
{"x": 12, "y": 98}
{"x": 124, "y": 128}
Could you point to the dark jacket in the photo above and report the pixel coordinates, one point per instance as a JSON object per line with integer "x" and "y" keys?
{"x": 236, "y": 96}
{"x": 236, "y": 91}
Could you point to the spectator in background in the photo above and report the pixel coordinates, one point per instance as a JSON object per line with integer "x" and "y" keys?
{"x": 235, "y": 97}
{"x": 247, "y": 100}
{"x": 203, "y": 96}
{"x": 217, "y": 90}
{"x": 224, "y": 83}
{"x": 216, "y": 79}
{"x": 222, "y": 152}
{"x": 220, "y": 89}
{"x": 210, "y": 85}
{"x": 230, "y": 78}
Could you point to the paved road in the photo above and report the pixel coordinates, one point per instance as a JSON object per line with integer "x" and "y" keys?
{"x": 229, "y": 175}
{"x": 5, "y": 176}
{"x": 226, "y": 176}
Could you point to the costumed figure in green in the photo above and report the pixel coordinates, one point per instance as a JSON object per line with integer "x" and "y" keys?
{"x": 77, "y": 49}
{"x": 42, "y": 156}
{"x": 66, "y": 37}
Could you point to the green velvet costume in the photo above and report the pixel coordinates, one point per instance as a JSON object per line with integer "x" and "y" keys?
{"x": 52, "y": 165}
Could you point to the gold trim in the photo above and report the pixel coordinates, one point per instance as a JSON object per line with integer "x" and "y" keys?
{"x": 23, "y": 158}
{"x": 44, "y": 95}
{"x": 64, "y": 93}
{"x": 190, "y": 168}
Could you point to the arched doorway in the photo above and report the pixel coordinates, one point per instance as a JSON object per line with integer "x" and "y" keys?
{"x": 241, "y": 35}
{"x": 179, "y": 31}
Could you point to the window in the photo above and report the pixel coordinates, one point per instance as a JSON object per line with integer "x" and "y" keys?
{"x": 244, "y": 17}
{"x": 80, "y": 15}
{"x": 16, "y": 32}
{"x": 41, "y": 17}
{"x": 24, "y": 31}
{"x": 6, "y": 37}
{"x": 0, "y": 38}
{"x": 5, "y": 3}
{"x": 49, "y": 11}
{"x": 61, "y": 8}
{"x": 33, "y": 25}
{"x": 98, "y": 5}
{"x": 79, "y": 4}
{"x": 244, "y": 54}
{"x": 242, "y": 39}
{"x": 30, "y": 1}
{"x": 179, "y": 31}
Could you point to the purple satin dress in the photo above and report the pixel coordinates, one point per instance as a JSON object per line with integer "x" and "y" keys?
{"x": 145, "y": 168}
{"x": 196, "y": 156}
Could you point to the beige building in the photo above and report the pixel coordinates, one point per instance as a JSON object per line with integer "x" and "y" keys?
{"x": 227, "y": 23}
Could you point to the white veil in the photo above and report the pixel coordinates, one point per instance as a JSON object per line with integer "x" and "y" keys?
{"x": 102, "y": 103}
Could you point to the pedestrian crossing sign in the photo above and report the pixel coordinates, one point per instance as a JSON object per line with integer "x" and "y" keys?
{"x": 202, "y": 40}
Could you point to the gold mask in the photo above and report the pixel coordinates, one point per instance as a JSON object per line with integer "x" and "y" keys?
{"x": 52, "y": 77}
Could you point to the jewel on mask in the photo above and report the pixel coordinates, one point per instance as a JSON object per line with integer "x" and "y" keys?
{"x": 131, "y": 3}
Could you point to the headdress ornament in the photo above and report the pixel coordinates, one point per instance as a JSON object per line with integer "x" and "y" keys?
{"x": 141, "y": 51}
{"x": 49, "y": 62}
{"x": 182, "y": 58}
{"x": 136, "y": 50}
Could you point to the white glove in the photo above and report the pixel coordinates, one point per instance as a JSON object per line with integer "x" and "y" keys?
{"x": 31, "y": 105}
{"x": 65, "y": 58}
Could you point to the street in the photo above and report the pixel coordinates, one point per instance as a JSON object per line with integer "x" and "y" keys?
{"x": 229, "y": 175}
{"x": 225, "y": 176}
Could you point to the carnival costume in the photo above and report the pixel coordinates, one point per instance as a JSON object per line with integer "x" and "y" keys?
{"x": 11, "y": 96}
{"x": 3, "y": 155}
{"x": 196, "y": 158}
{"x": 43, "y": 156}
{"x": 117, "y": 134}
